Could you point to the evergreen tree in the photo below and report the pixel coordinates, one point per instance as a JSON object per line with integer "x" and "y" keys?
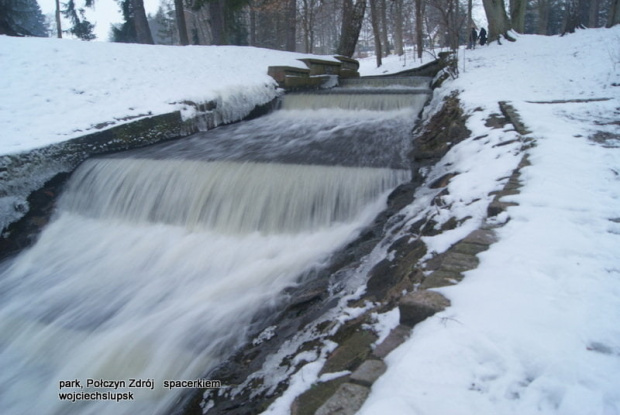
{"x": 22, "y": 18}
{"x": 82, "y": 28}
{"x": 124, "y": 32}
{"x": 136, "y": 27}
{"x": 163, "y": 24}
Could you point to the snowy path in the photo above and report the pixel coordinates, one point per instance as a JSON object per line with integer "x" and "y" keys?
{"x": 534, "y": 329}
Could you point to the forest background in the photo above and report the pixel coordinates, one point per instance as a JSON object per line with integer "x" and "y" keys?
{"x": 354, "y": 28}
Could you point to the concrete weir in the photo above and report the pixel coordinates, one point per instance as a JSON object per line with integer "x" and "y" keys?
{"x": 161, "y": 262}
{"x": 30, "y": 181}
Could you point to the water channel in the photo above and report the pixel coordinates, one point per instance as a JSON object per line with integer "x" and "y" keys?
{"x": 157, "y": 259}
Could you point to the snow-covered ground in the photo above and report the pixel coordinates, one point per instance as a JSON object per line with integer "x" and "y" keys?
{"x": 534, "y": 329}
{"x": 54, "y": 90}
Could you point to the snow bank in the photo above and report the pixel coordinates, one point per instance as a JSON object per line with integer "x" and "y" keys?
{"x": 54, "y": 90}
{"x": 534, "y": 328}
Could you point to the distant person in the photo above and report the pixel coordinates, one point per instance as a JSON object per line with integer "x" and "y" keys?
{"x": 473, "y": 38}
{"x": 483, "y": 37}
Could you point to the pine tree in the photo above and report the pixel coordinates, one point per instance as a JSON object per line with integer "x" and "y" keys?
{"x": 163, "y": 24}
{"x": 82, "y": 28}
{"x": 22, "y": 18}
{"x": 135, "y": 29}
{"x": 124, "y": 32}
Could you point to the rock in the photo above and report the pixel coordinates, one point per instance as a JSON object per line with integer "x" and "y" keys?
{"x": 496, "y": 207}
{"x": 368, "y": 372}
{"x": 441, "y": 278}
{"x": 351, "y": 352}
{"x": 457, "y": 262}
{"x": 347, "y": 400}
{"x": 418, "y": 306}
{"x": 308, "y": 402}
{"x": 481, "y": 237}
{"x": 397, "y": 336}
{"x": 442, "y": 181}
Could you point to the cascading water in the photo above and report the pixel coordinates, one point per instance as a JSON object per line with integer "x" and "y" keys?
{"x": 158, "y": 259}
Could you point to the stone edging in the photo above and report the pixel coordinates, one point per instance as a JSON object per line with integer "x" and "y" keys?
{"x": 345, "y": 395}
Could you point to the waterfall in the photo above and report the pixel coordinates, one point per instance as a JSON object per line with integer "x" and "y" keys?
{"x": 157, "y": 260}
{"x": 404, "y": 82}
{"x": 361, "y": 100}
{"x": 226, "y": 196}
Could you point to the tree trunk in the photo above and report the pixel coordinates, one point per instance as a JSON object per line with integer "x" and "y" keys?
{"x": 613, "y": 17}
{"x": 374, "y": 20}
{"x": 217, "y": 22}
{"x": 499, "y": 24}
{"x": 291, "y": 32}
{"x": 384, "y": 28}
{"x": 179, "y": 13}
{"x": 543, "y": 17}
{"x": 593, "y": 11}
{"x": 451, "y": 24}
{"x": 352, "y": 19}
{"x": 572, "y": 18}
{"x": 398, "y": 27}
{"x": 252, "y": 26}
{"x": 419, "y": 33}
{"x": 58, "y": 23}
{"x": 517, "y": 14}
{"x": 143, "y": 33}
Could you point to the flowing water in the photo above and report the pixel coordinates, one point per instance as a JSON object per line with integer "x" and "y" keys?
{"x": 157, "y": 259}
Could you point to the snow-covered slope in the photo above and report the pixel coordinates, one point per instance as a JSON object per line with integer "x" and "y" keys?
{"x": 534, "y": 329}
{"x": 53, "y": 90}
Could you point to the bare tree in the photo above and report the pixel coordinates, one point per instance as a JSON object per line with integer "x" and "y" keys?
{"x": 376, "y": 30}
{"x": 451, "y": 22}
{"x": 543, "y": 17}
{"x": 307, "y": 24}
{"x": 419, "y": 27}
{"x": 517, "y": 14}
{"x": 382, "y": 10}
{"x": 613, "y": 18}
{"x": 593, "y": 13}
{"x": 499, "y": 24}
{"x": 58, "y": 24}
{"x": 398, "y": 27}
{"x": 352, "y": 19}
{"x": 291, "y": 24}
{"x": 179, "y": 13}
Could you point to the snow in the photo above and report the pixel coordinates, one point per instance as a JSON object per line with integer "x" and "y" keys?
{"x": 54, "y": 90}
{"x": 534, "y": 328}
{"x": 394, "y": 64}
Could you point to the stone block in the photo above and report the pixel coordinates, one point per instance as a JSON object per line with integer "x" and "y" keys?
{"x": 468, "y": 248}
{"x": 280, "y": 73}
{"x": 457, "y": 262}
{"x": 351, "y": 352}
{"x": 368, "y": 372}
{"x": 308, "y": 402}
{"x": 347, "y": 400}
{"x": 397, "y": 336}
{"x": 441, "y": 278}
{"x": 418, "y": 306}
{"x": 322, "y": 67}
{"x": 481, "y": 237}
{"x": 496, "y": 207}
